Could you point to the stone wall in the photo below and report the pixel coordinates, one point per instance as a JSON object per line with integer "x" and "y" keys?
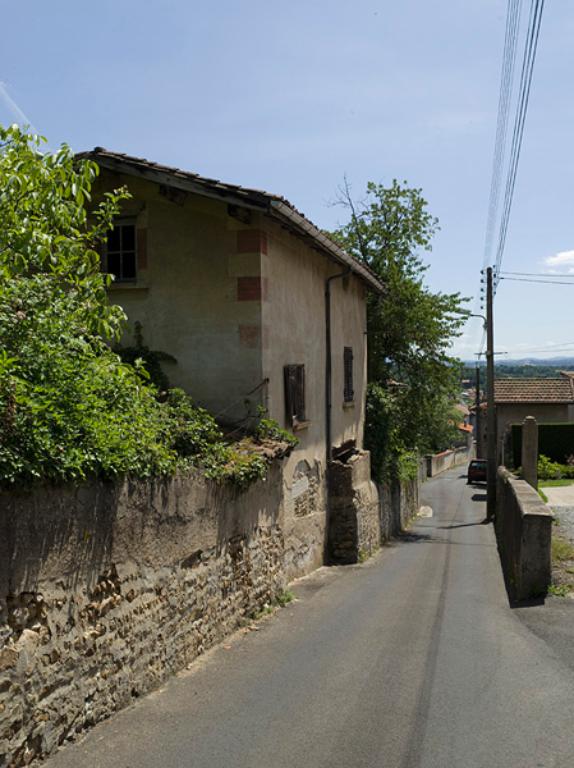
{"x": 399, "y": 504}
{"x": 354, "y": 526}
{"x": 363, "y": 515}
{"x": 106, "y": 590}
{"x": 524, "y": 533}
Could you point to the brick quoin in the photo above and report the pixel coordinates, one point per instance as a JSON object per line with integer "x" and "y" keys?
{"x": 249, "y": 336}
{"x": 251, "y": 241}
{"x": 249, "y": 289}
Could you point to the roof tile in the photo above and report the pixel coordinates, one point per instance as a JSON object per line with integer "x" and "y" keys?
{"x": 533, "y": 391}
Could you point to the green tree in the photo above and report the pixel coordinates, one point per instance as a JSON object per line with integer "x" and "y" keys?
{"x": 410, "y": 328}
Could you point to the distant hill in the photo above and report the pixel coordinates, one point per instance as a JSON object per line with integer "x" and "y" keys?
{"x": 526, "y": 368}
{"x": 562, "y": 363}
{"x": 555, "y": 363}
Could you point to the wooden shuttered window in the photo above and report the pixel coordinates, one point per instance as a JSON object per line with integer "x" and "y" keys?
{"x": 348, "y": 390}
{"x": 294, "y": 393}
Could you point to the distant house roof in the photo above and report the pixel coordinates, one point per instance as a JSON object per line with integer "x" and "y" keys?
{"x": 534, "y": 391}
{"x": 275, "y": 206}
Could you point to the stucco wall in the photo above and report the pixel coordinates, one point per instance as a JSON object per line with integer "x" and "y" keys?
{"x": 234, "y": 302}
{"x": 186, "y": 295}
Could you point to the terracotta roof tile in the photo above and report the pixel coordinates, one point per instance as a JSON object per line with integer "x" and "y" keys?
{"x": 533, "y": 391}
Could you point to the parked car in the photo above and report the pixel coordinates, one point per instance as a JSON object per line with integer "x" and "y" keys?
{"x": 477, "y": 471}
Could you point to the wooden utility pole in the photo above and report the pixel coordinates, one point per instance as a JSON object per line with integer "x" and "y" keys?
{"x": 477, "y": 422}
{"x": 490, "y": 414}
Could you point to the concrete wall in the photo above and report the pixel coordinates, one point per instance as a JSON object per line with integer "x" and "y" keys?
{"x": 524, "y": 532}
{"x": 440, "y": 462}
{"x": 105, "y": 590}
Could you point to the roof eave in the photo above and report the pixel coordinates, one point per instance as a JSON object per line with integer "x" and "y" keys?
{"x": 173, "y": 180}
{"x": 284, "y": 212}
{"x": 259, "y": 201}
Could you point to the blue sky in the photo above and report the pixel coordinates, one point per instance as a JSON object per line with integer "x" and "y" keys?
{"x": 291, "y": 96}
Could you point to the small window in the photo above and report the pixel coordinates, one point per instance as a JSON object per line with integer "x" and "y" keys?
{"x": 348, "y": 390}
{"x": 120, "y": 252}
{"x": 294, "y": 394}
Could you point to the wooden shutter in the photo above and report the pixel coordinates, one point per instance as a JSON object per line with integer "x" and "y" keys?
{"x": 348, "y": 391}
{"x": 294, "y": 377}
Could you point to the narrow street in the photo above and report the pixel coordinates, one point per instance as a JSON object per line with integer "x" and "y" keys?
{"x": 411, "y": 659}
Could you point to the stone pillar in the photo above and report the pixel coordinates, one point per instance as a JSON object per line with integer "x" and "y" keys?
{"x": 530, "y": 451}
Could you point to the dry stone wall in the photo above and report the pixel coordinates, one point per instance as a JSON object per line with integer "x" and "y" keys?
{"x": 106, "y": 590}
{"x": 354, "y": 525}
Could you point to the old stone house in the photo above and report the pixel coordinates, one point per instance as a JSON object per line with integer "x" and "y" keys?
{"x": 257, "y": 306}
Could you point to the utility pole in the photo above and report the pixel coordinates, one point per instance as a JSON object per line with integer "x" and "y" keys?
{"x": 477, "y": 413}
{"x": 490, "y": 414}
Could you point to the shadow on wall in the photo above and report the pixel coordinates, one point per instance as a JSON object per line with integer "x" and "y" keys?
{"x": 65, "y": 531}
{"x": 72, "y": 534}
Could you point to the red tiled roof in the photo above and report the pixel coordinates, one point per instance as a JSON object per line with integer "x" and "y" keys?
{"x": 533, "y": 391}
{"x": 273, "y": 205}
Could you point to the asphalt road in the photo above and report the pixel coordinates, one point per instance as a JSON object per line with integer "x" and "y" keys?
{"x": 411, "y": 659}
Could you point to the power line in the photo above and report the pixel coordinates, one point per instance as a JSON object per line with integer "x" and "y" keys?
{"x": 529, "y": 57}
{"x": 534, "y": 280}
{"x": 504, "y": 100}
{"x": 549, "y": 275}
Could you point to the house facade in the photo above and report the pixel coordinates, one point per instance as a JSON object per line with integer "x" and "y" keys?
{"x": 257, "y": 306}
{"x": 550, "y": 401}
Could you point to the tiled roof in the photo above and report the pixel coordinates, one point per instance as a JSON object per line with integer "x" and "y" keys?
{"x": 273, "y": 205}
{"x": 534, "y": 391}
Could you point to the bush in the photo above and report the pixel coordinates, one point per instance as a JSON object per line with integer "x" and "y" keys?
{"x": 550, "y": 470}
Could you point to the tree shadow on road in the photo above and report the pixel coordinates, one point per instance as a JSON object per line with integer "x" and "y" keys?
{"x": 412, "y": 537}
